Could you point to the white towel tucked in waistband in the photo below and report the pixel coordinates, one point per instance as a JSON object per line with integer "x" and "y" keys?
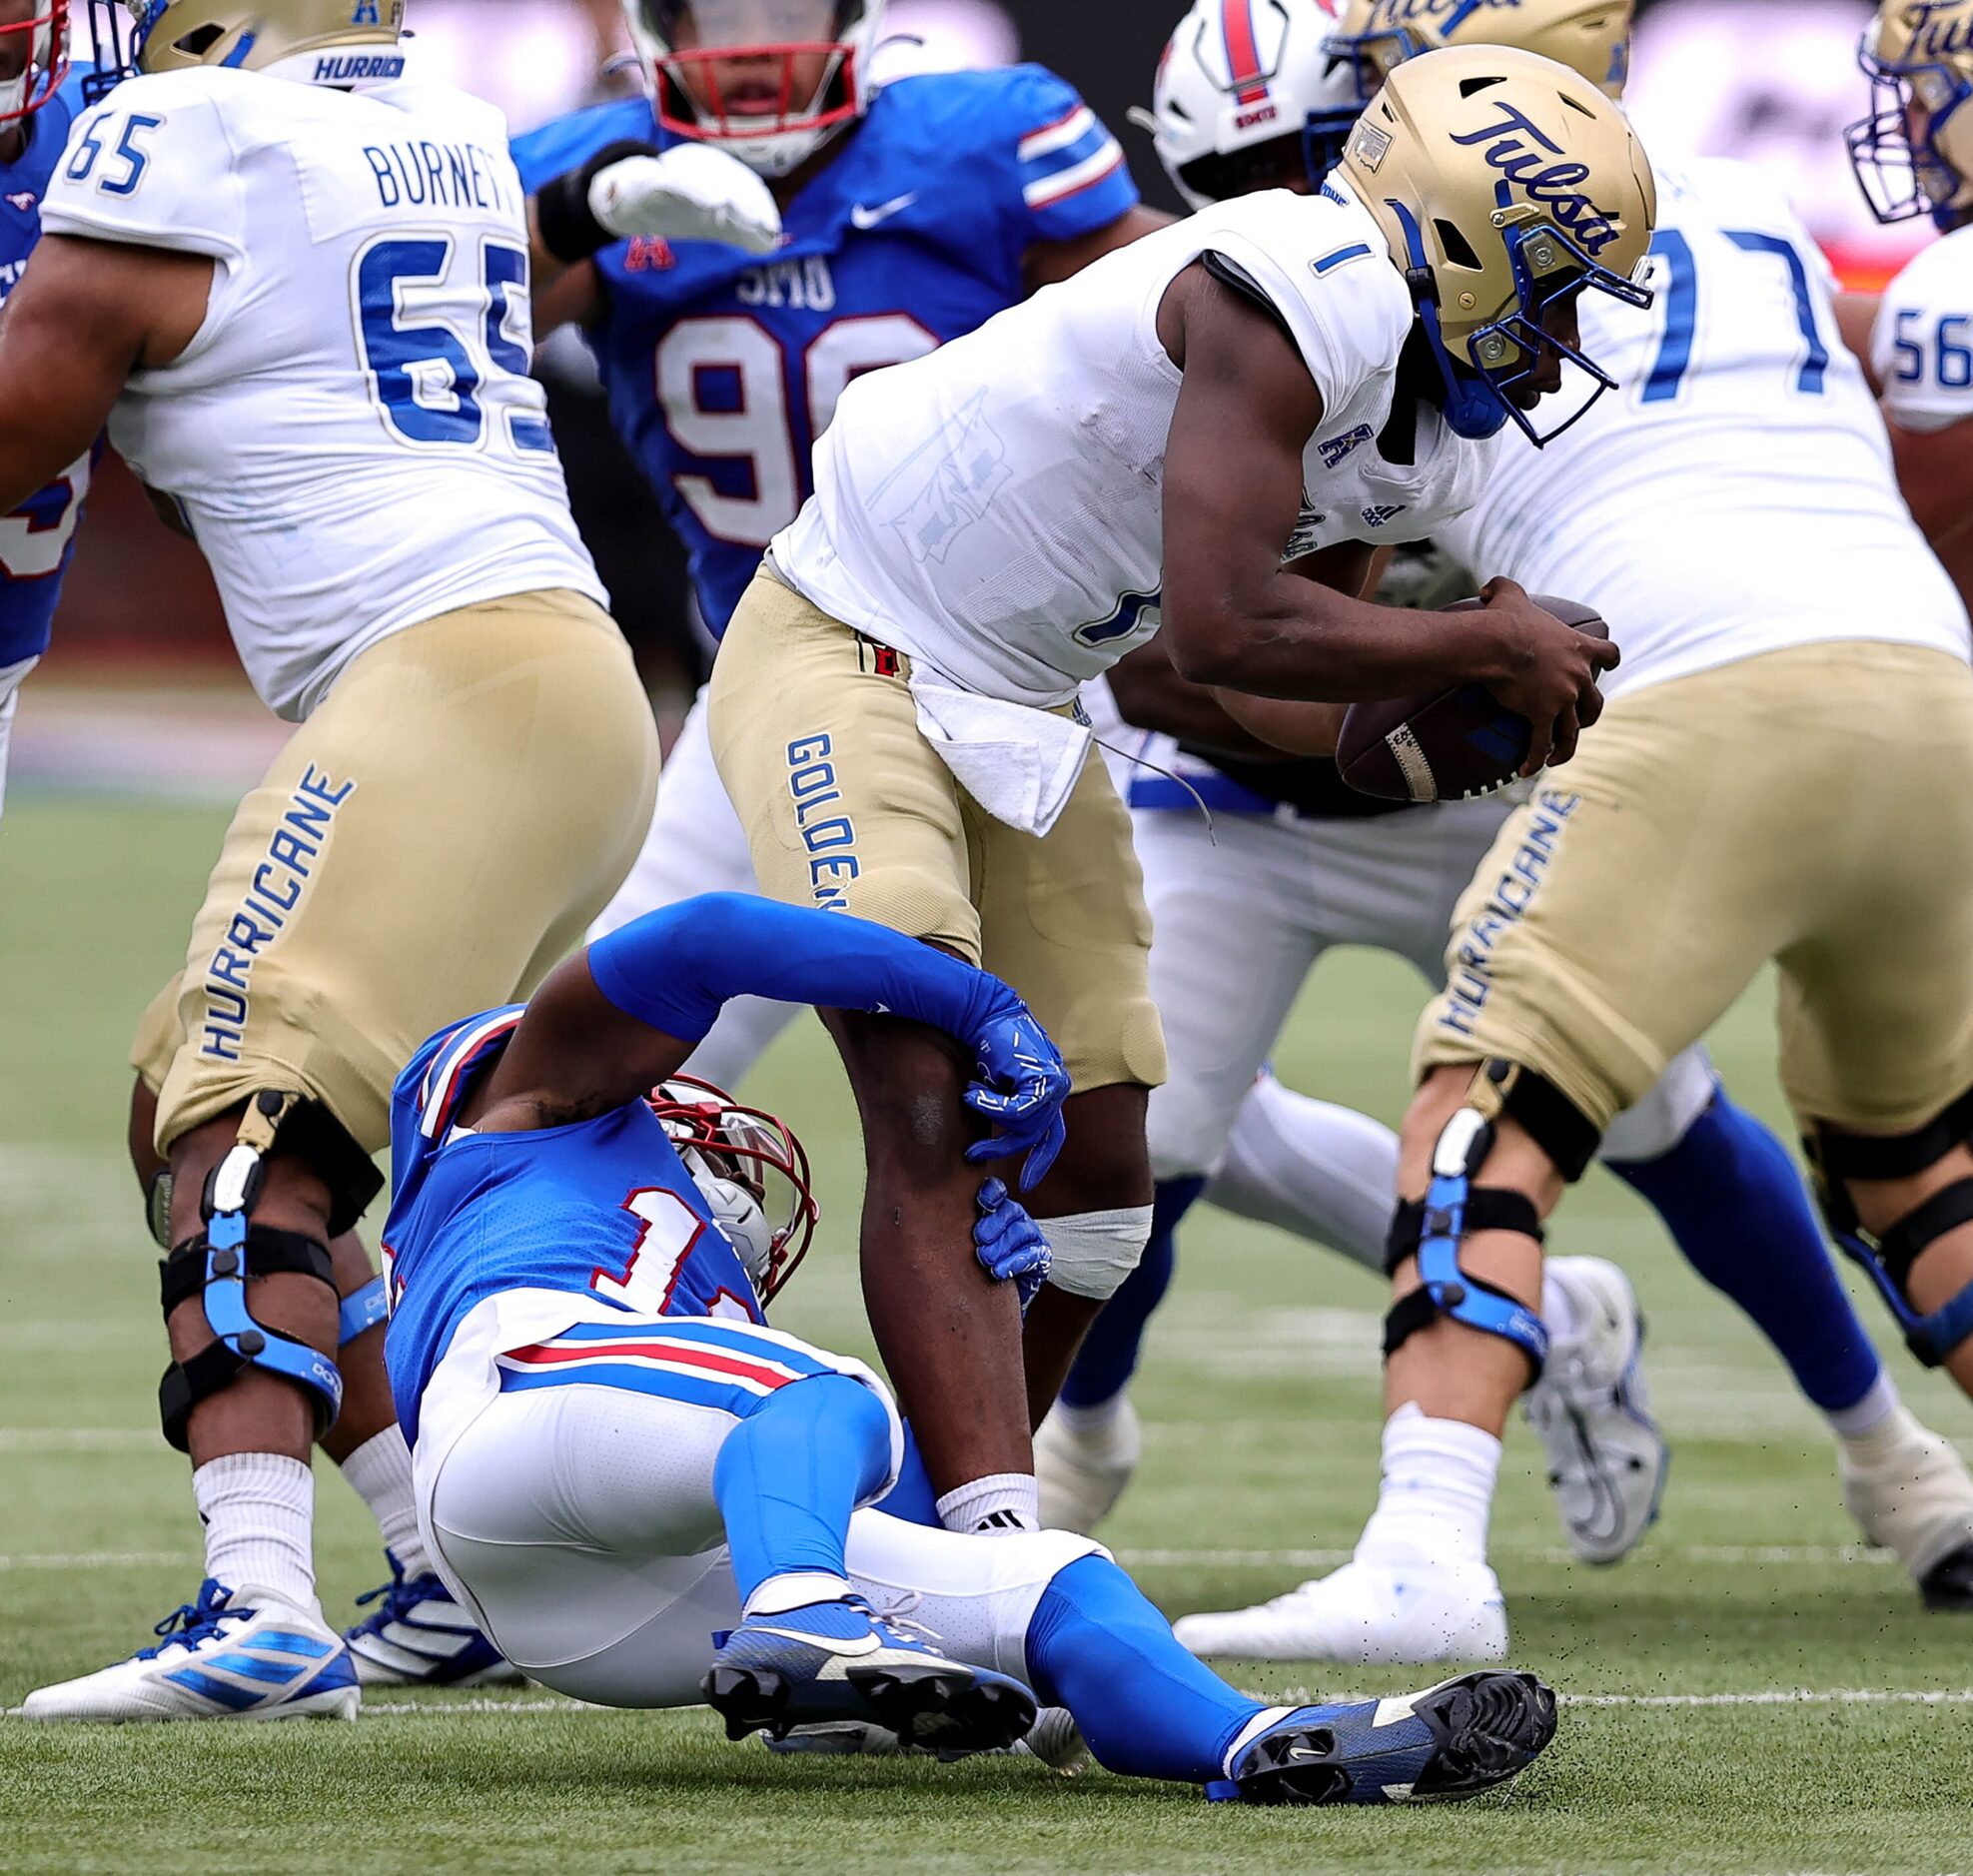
{"x": 1017, "y": 762}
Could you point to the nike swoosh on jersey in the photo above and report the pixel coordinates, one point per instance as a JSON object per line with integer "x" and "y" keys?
{"x": 866, "y": 216}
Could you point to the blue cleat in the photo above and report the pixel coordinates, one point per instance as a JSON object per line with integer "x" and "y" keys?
{"x": 840, "y": 1661}
{"x": 233, "y": 1654}
{"x": 420, "y": 1637}
{"x": 1452, "y": 1741}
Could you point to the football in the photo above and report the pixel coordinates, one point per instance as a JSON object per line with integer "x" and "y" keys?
{"x": 1445, "y": 745}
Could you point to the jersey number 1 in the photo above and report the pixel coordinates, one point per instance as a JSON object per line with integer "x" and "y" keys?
{"x": 669, "y": 1230}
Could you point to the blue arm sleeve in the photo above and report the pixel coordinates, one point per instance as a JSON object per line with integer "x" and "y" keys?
{"x": 567, "y": 143}
{"x": 674, "y": 968}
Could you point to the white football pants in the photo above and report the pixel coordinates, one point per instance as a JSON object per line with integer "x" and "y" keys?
{"x": 578, "y": 1525}
{"x": 1240, "y": 914}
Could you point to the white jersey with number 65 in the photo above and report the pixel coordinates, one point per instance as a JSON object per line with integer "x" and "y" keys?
{"x": 351, "y": 435}
{"x": 1738, "y": 495}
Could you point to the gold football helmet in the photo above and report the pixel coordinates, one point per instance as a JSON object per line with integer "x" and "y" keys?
{"x": 176, "y": 35}
{"x": 1591, "y": 37}
{"x": 1505, "y": 185}
{"x": 1913, "y": 154}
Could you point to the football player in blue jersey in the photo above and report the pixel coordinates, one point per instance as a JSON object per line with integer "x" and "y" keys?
{"x": 914, "y": 212}
{"x": 38, "y": 101}
{"x": 648, "y": 1497}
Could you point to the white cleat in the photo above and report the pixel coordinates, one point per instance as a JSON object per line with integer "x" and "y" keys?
{"x": 1607, "y": 1457}
{"x": 1082, "y": 1475}
{"x": 1910, "y": 1493}
{"x": 1366, "y": 1613}
{"x": 239, "y": 1654}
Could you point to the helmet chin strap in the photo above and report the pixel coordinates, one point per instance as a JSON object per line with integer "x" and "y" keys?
{"x": 1473, "y": 408}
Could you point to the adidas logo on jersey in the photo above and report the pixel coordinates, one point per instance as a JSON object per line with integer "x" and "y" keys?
{"x": 1376, "y": 515}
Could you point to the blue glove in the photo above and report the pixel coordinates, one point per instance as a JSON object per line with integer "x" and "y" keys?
{"x": 1021, "y": 1087}
{"x": 1009, "y": 1242}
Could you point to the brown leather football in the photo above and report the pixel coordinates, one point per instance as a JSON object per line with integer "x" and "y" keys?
{"x": 1445, "y": 745}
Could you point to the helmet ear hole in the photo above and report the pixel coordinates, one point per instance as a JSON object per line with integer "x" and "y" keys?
{"x": 201, "y": 40}
{"x": 1459, "y": 250}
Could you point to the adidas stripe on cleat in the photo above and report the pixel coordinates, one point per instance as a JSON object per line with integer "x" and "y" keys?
{"x": 233, "y": 1654}
{"x": 839, "y": 1661}
{"x": 420, "y": 1637}
{"x": 1451, "y": 1741}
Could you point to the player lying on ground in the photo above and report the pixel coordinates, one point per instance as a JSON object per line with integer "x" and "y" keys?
{"x": 892, "y": 707}
{"x": 1914, "y": 156}
{"x": 648, "y": 1498}
{"x": 914, "y": 213}
{"x": 1801, "y": 630}
{"x": 1727, "y": 1190}
{"x": 292, "y": 276}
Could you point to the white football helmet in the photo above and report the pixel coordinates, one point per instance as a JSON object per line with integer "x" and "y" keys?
{"x": 46, "y": 37}
{"x": 752, "y": 112}
{"x": 1248, "y": 97}
{"x": 752, "y": 1171}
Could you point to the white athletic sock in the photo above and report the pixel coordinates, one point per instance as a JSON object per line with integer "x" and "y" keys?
{"x": 1437, "y": 1493}
{"x": 380, "y": 1473}
{"x": 259, "y": 1511}
{"x": 1869, "y": 1414}
{"x": 999, "y": 1501}
{"x": 795, "y": 1589}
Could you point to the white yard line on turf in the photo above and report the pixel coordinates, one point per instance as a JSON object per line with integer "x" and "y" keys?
{"x": 103, "y": 1561}
{"x": 1686, "y": 1552}
{"x": 1806, "y": 1553}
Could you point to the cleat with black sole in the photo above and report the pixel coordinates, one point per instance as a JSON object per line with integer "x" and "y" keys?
{"x": 1452, "y": 1741}
{"x": 1947, "y": 1587}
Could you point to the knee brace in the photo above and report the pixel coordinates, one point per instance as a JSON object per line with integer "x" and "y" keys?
{"x": 1837, "y": 1157}
{"x": 1091, "y": 1253}
{"x": 1454, "y": 1207}
{"x": 362, "y": 1311}
{"x": 215, "y": 1266}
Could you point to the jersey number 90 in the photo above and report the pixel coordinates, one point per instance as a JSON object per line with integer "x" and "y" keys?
{"x": 444, "y": 339}
{"x": 723, "y": 388}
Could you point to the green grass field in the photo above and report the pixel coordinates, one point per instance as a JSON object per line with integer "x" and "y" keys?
{"x": 1748, "y": 1692}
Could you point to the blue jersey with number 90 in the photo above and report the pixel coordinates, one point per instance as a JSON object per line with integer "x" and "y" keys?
{"x": 722, "y": 369}
{"x": 37, "y": 538}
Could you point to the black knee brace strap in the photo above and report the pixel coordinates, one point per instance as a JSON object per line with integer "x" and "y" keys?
{"x": 1554, "y": 1122}
{"x": 1432, "y": 1232}
{"x": 1489, "y": 1207}
{"x": 1838, "y": 1157}
{"x": 219, "y": 1274}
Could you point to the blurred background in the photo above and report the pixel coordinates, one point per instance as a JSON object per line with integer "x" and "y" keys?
{"x": 1771, "y": 81}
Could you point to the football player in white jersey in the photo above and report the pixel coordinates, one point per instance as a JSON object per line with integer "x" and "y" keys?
{"x": 892, "y": 709}
{"x": 293, "y": 280}
{"x": 1733, "y": 513}
{"x": 1914, "y": 156}
{"x": 1249, "y": 96}
{"x": 1726, "y": 1188}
